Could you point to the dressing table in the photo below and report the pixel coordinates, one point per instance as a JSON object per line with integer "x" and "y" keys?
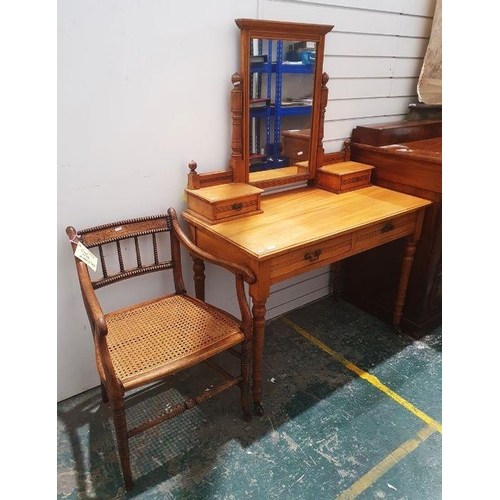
{"x": 290, "y": 214}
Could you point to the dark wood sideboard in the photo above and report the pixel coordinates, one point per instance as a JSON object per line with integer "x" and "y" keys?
{"x": 407, "y": 156}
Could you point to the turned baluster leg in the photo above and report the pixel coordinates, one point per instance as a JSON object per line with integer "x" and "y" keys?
{"x": 406, "y": 266}
{"x": 246, "y": 353}
{"x": 120, "y": 422}
{"x": 259, "y": 324}
{"x": 199, "y": 278}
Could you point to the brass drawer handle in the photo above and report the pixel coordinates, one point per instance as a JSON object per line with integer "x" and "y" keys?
{"x": 237, "y": 206}
{"x": 312, "y": 256}
{"x": 388, "y": 227}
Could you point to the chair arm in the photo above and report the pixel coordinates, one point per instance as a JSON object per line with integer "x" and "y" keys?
{"x": 247, "y": 274}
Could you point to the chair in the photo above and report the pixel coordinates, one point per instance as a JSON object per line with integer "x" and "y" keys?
{"x": 148, "y": 341}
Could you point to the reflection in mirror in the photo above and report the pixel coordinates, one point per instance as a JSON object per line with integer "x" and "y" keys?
{"x": 281, "y": 102}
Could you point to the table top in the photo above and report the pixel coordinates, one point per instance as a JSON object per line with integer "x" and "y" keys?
{"x": 307, "y": 215}
{"x": 426, "y": 147}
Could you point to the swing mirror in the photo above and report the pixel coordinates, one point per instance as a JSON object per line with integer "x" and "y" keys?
{"x": 281, "y": 79}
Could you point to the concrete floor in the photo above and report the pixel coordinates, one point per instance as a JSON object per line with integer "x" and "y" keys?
{"x": 351, "y": 411}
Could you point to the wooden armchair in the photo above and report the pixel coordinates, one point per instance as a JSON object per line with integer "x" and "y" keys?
{"x": 148, "y": 341}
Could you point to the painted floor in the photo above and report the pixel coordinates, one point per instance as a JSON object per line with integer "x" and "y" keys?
{"x": 351, "y": 411}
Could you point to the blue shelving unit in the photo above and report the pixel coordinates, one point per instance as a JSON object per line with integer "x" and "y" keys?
{"x": 269, "y": 108}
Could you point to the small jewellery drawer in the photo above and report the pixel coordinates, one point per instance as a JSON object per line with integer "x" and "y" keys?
{"x": 289, "y": 264}
{"x": 344, "y": 176}
{"x": 223, "y": 210}
{"x": 223, "y": 202}
{"x": 384, "y": 232}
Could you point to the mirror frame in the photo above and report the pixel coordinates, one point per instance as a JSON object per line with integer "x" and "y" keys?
{"x": 277, "y": 30}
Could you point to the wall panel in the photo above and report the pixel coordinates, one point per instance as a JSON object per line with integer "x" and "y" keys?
{"x": 342, "y": 66}
{"x": 347, "y": 19}
{"x": 298, "y": 291}
{"x": 372, "y": 45}
{"x": 367, "y": 107}
{"x": 348, "y": 88}
{"x": 423, "y": 8}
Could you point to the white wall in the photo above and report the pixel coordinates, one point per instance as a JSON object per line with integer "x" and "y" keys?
{"x": 143, "y": 88}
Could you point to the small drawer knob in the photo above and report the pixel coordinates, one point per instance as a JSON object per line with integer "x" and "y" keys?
{"x": 388, "y": 227}
{"x": 237, "y": 206}
{"x": 312, "y": 256}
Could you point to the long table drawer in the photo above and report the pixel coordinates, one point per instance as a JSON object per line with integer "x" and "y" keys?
{"x": 384, "y": 232}
{"x": 313, "y": 256}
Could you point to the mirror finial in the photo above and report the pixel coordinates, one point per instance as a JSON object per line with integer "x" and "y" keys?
{"x": 236, "y": 79}
{"x": 192, "y": 166}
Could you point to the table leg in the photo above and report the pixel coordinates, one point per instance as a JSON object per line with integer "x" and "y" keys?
{"x": 259, "y": 325}
{"x": 406, "y": 266}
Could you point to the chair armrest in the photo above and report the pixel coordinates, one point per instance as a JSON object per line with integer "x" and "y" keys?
{"x": 247, "y": 274}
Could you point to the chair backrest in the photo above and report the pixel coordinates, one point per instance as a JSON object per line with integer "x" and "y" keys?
{"x": 130, "y": 248}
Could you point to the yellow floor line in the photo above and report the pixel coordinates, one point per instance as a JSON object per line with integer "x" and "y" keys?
{"x": 365, "y": 375}
{"x": 390, "y": 461}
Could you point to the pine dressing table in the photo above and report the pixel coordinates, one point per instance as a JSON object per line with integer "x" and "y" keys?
{"x": 334, "y": 214}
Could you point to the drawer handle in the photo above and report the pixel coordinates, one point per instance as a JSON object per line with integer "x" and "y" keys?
{"x": 312, "y": 256}
{"x": 237, "y": 206}
{"x": 388, "y": 227}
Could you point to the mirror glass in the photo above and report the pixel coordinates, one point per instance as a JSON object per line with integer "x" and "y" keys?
{"x": 280, "y": 107}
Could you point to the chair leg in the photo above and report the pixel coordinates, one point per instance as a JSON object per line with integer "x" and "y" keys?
{"x": 120, "y": 422}
{"x": 246, "y": 351}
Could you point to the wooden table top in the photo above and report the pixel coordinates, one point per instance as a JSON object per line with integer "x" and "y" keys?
{"x": 307, "y": 215}
{"x": 427, "y": 147}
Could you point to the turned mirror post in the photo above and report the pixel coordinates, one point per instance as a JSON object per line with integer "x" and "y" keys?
{"x": 278, "y": 42}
